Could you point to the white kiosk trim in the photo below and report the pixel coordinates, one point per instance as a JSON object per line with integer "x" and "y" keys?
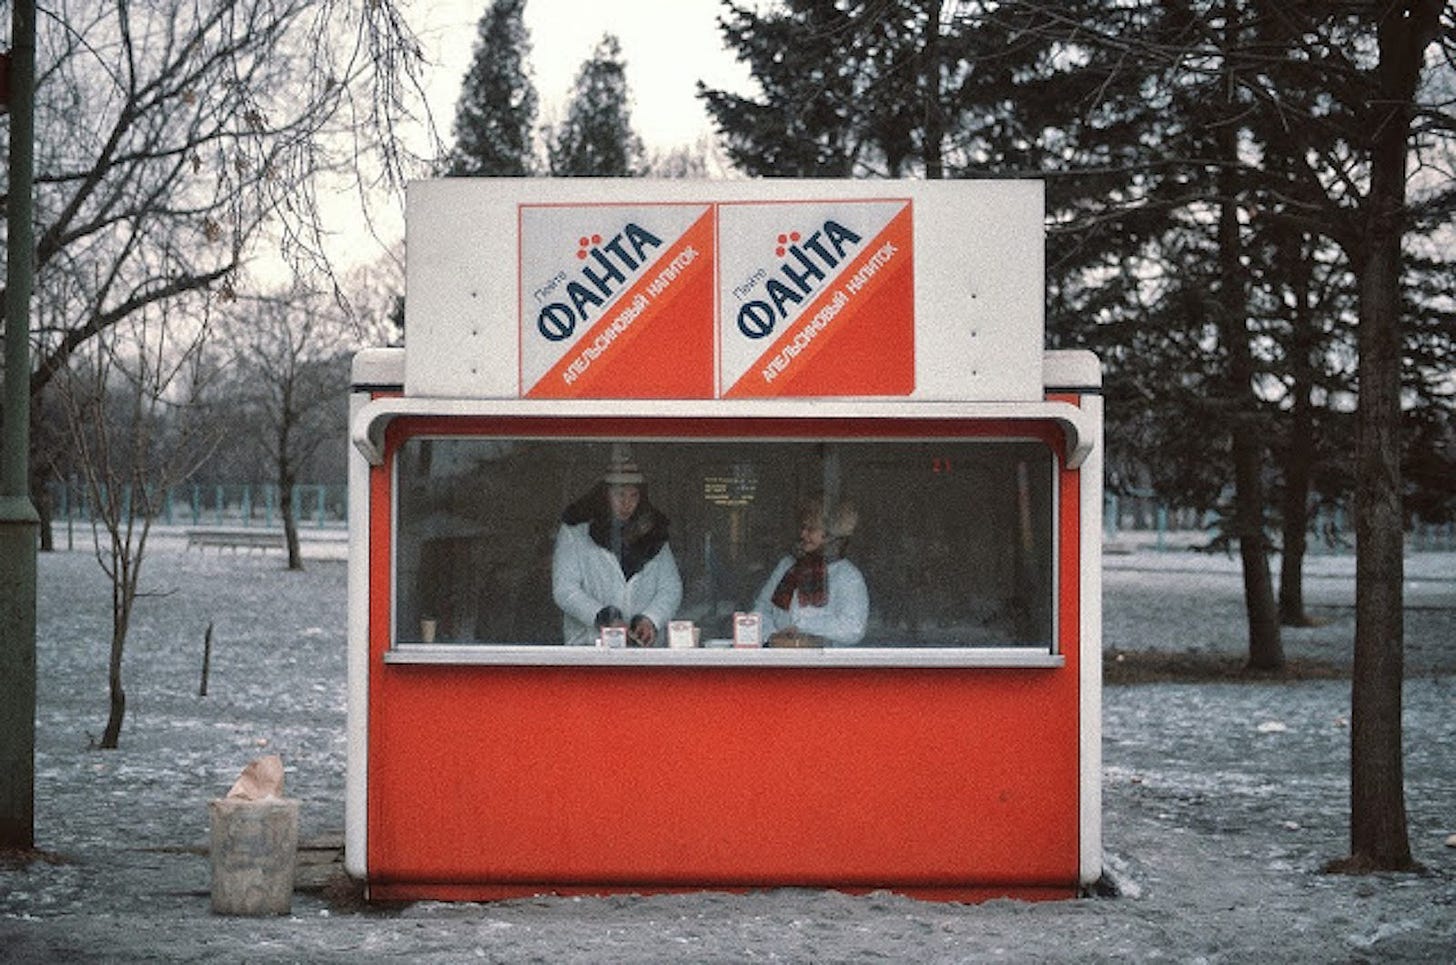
{"x": 1078, "y": 426}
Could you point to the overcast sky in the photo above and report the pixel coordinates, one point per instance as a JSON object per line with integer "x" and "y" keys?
{"x": 668, "y": 46}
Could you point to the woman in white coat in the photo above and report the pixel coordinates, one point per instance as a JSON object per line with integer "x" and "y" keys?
{"x": 814, "y": 596}
{"x": 612, "y": 559}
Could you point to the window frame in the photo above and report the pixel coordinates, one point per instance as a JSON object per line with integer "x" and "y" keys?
{"x": 731, "y": 429}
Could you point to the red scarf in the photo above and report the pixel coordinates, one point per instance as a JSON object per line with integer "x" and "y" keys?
{"x": 809, "y": 576}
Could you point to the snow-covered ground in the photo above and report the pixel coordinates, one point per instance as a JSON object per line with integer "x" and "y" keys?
{"x": 1222, "y": 800}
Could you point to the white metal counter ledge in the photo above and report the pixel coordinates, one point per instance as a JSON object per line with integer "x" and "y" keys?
{"x": 466, "y": 654}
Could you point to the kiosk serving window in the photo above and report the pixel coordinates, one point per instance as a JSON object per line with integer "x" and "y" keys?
{"x": 954, "y": 538}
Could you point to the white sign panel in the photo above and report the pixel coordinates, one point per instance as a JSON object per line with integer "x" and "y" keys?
{"x": 643, "y": 289}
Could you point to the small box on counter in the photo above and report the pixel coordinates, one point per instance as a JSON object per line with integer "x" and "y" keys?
{"x": 747, "y": 630}
{"x": 681, "y": 634}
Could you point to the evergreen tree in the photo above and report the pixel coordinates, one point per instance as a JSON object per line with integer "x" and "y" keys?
{"x": 496, "y": 114}
{"x": 847, "y": 89}
{"x": 596, "y": 138}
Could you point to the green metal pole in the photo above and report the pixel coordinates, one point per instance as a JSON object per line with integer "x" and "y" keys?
{"x": 19, "y": 522}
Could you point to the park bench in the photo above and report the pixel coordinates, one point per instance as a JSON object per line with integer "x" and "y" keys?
{"x": 235, "y": 539}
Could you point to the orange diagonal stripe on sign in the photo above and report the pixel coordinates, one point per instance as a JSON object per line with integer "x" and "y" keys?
{"x": 556, "y": 383}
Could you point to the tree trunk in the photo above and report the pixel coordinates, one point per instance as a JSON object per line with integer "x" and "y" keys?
{"x": 1379, "y": 839}
{"x": 287, "y": 476}
{"x": 40, "y": 468}
{"x": 41, "y": 498}
{"x": 126, "y": 561}
{"x": 111, "y": 737}
{"x": 1378, "y": 834}
{"x": 933, "y": 129}
{"x": 286, "y": 510}
{"x": 1266, "y": 648}
{"x": 1266, "y": 651}
{"x": 1299, "y": 452}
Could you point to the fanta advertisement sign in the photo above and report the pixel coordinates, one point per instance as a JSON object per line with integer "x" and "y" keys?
{"x": 817, "y": 298}
{"x": 632, "y": 289}
{"x": 617, "y": 301}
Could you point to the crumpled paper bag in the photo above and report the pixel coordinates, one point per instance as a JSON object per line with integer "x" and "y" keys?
{"x": 262, "y": 778}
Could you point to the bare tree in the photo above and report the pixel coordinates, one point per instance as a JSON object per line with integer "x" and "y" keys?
{"x": 179, "y": 135}
{"x": 290, "y": 376}
{"x": 135, "y": 431}
{"x": 703, "y": 158}
{"x": 172, "y": 136}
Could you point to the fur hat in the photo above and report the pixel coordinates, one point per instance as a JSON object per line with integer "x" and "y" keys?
{"x": 622, "y": 469}
{"x": 839, "y": 522}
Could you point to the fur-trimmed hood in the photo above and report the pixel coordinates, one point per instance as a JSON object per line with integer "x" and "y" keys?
{"x": 634, "y": 542}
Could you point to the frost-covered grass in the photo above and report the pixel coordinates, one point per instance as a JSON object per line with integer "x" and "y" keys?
{"x": 275, "y": 683}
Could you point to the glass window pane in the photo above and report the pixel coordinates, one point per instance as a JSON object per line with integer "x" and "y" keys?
{"x": 952, "y": 540}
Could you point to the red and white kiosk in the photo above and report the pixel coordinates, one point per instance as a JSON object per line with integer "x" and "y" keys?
{"x": 751, "y": 343}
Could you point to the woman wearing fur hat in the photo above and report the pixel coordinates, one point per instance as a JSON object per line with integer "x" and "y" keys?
{"x": 612, "y": 558}
{"x": 816, "y": 597}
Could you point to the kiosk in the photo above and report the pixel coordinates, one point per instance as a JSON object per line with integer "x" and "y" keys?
{"x": 736, "y": 349}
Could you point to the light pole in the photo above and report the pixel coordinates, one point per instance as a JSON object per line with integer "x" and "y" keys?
{"x": 18, "y": 519}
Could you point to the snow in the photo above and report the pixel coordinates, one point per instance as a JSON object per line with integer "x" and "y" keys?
{"x": 1221, "y": 802}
